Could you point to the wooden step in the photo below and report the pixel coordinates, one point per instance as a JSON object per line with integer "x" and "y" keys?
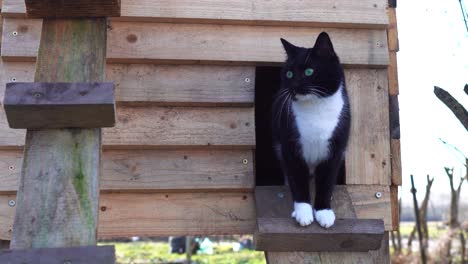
{"x": 278, "y": 232}
{"x": 284, "y": 234}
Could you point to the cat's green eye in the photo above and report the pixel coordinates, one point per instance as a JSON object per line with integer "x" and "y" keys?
{"x": 289, "y": 74}
{"x": 309, "y": 71}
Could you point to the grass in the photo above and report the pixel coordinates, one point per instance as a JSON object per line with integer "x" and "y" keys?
{"x": 159, "y": 252}
{"x": 435, "y": 229}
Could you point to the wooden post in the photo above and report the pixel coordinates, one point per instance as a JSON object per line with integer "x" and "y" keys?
{"x": 57, "y": 200}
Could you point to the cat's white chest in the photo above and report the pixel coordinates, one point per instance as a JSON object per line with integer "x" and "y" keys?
{"x": 316, "y": 119}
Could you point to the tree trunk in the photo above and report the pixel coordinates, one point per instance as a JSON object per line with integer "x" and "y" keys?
{"x": 458, "y": 110}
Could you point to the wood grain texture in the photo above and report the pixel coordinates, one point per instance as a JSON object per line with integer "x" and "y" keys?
{"x": 340, "y": 13}
{"x": 158, "y": 127}
{"x": 395, "y": 207}
{"x": 131, "y": 42}
{"x": 163, "y": 214}
{"x": 392, "y": 30}
{"x": 183, "y": 84}
{"x": 381, "y": 256}
{"x": 282, "y": 234}
{"x": 349, "y": 201}
{"x": 149, "y": 127}
{"x": 164, "y": 84}
{"x": 393, "y": 85}
{"x": 395, "y": 146}
{"x": 72, "y": 9}
{"x": 368, "y": 153}
{"x": 58, "y": 191}
{"x": 59, "y": 105}
{"x": 20, "y": 39}
{"x": 156, "y": 170}
{"x": 88, "y": 255}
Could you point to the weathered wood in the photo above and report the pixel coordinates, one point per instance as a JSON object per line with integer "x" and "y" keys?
{"x": 392, "y": 30}
{"x": 88, "y": 255}
{"x": 182, "y": 126}
{"x": 165, "y": 84}
{"x": 25, "y": 35}
{"x": 395, "y": 205}
{"x": 157, "y": 127}
{"x": 58, "y": 193}
{"x": 396, "y": 162}
{"x": 349, "y": 201}
{"x": 59, "y": 105}
{"x": 131, "y": 42}
{"x": 157, "y": 170}
{"x": 393, "y": 86}
{"x": 340, "y": 13}
{"x": 394, "y": 109}
{"x": 368, "y": 153}
{"x": 72, "y": 9}
{"x": 163, "y": 214}
{"x": 283, "y": 234}
{"x": 381, "y": 256}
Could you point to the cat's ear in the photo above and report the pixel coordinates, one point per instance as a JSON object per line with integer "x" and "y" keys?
{"x": 290, "y": 49}
{"x": 323, "y": 45}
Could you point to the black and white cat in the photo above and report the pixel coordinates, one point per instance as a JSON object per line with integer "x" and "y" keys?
{"x": 311, "y": 123}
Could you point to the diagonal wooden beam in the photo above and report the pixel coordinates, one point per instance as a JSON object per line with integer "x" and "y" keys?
{"x": 58, "y": 194}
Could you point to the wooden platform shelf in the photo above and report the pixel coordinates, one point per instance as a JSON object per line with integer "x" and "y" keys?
{"x": 59, "y": 105}
{"x": 72, "y": 255}
{"x": 277, "y": 231}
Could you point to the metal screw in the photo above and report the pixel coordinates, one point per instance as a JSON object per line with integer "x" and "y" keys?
{"x": 378, "y": 195}
{"x": 67, "y": 262}
{"x": 247, "y": 80}
{"x": 11, "y": 203}
{"x": 13, "y": 79}
{"x": 37, "y": 95}
{"x": 15, "y": 33}
{"x": 11, "y": 167}
{"x": 245, "y": 161}
{"x": 280, "y": 195}
{"x": 379, "y": 44}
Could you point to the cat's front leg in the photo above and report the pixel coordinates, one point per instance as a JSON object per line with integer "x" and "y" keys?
{"x": 297, "y": 174}
{"x": 326, "y": 175}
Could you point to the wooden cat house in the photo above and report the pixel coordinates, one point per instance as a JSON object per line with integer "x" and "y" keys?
{"x": 190, "y": 153}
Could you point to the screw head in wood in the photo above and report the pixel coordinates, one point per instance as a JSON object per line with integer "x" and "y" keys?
{"x": 13, "y": 79}
{"x": 247, "y": 80}
{"x": 245, "y": 161}
{"x": 67, "y": 262}
{"x": 378, "y": 195}
{"x": 11, "y": 203}
{"x": 37, "y": 95}
{"x": 280, "y": 195}
{"x": 11, "y": 167}
{"x": 15, "y": 33}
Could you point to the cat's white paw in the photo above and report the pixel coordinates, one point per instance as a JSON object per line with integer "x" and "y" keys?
{"x": 325, "y": 217}
{"x": 303, "y": 213}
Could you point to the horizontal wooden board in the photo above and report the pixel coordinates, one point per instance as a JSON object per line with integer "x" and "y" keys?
{"x": 155, "y": 127}
{"x": 34, "y": 105}
{"x": 339, "y": 13}
{"x": 133, "y": 42}
{"x": 368, "y": 154}
{"x": 162, "y": 214}
{"x": 156, "y": 170}
{"x": 164, "y": 84}
{"x": 283, "y": 234}
{"x": 349, "y": 201}
{"x": 72, "y": 9}
{"x": 88, "y": 255}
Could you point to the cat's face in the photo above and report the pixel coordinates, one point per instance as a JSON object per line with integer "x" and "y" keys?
{"x": 311, "y": 72}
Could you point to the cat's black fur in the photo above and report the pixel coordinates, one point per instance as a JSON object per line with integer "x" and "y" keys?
{"x": 328, "y": 75}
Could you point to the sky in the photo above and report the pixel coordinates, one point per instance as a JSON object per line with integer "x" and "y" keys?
{"x": 433, "y": 44}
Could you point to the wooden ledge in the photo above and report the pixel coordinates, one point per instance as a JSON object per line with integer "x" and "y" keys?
{"x": 60, "y": 105}
{"x": 88, "y": 255}
{"x": 284, "y": 234}
{"x": 72, "y": 9}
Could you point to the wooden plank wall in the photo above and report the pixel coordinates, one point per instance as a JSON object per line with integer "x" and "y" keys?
{"x": 180, "y": 160}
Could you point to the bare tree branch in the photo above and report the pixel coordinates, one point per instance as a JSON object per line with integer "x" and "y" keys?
{"x": 458, "y": 110}
{"x": 466, "y": 89}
